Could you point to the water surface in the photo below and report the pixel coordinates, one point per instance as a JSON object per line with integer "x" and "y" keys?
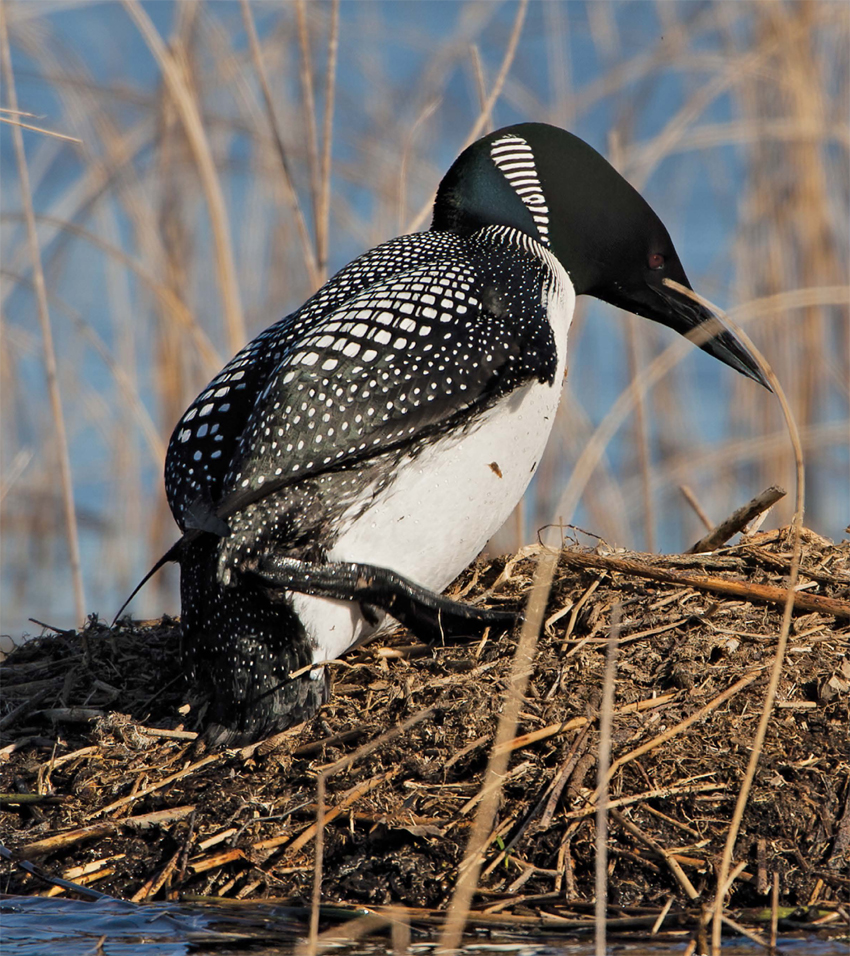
{"x": 41, "y": 926}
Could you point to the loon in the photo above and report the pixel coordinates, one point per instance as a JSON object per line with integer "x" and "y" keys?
{"x": 352, "y": 459}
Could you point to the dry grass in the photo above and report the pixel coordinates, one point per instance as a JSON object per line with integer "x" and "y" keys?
{"x": 102, "y": 780}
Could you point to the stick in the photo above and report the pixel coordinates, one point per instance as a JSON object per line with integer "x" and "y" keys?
{"x": 61, "y": 841}
{"x": 40, "y": 874}
{"x": 738, "y": 520}
{"x": 758, "y": 593}
{"x": 213, "y": 758}
{"x": 25, "y": 707}
{"x": 562, "y": 727}
{"x": 669, "y": 858}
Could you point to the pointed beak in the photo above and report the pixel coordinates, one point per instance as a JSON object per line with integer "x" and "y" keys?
{"x": 705, "y": 329}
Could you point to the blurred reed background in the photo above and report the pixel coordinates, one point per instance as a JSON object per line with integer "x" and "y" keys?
{"x": 197, "y": 203}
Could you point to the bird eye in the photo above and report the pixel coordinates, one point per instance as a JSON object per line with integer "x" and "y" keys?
{"x": 656, "y": 261}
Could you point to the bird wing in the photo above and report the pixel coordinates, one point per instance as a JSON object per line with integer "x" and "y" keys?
{"x": 410, "y": 356}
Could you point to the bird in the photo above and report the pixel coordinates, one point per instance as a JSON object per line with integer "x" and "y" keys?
{"x": 353, "y": 458}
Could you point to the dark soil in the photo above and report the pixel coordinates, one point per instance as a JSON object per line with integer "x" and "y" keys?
{"x": 107, "y": 738}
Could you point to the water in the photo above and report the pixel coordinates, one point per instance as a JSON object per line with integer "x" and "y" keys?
{"x": 40, "y": 926}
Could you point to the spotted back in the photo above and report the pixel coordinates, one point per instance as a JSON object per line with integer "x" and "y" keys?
{"x": 204, "y": 442}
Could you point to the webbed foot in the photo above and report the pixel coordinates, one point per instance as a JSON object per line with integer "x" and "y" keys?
{"x": 430, "y": 616}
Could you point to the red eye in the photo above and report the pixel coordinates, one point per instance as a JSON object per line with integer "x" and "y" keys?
{"x": 656, "y": 261}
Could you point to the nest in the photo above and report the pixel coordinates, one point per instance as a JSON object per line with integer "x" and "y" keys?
{"x": 106, "y": 784}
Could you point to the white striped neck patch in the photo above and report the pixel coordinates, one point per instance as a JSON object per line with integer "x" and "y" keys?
{"x": 515, "y": 160}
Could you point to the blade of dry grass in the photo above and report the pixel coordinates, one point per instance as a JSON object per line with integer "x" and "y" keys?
{"x": 309, "y": 109}
{"x": 603, "y": 761}
{"x": 189, "y": 109}
{"x": 40, "y": 129}
{"x": 321, "y": 818}
{"x": 324, "y": 211}
{"x": 479, "y": 838}
{"x": 594, "y": 449}
{"x": 427, "y": 111}
{"x": 484, "y": 116}
{"x": 178, "y": 309}
{"x": 128, "y": 390}
{"x": 289, "y": 184}
{"x": 50, "y": 366}
{"x": 779, "y": 658}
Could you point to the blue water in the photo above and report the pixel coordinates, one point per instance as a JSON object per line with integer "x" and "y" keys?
{"x": 41, "y": 926}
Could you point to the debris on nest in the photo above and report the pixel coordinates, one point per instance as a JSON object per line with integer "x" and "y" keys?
{"x": 105, "y": 783}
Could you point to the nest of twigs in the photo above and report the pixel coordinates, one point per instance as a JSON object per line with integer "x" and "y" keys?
{"x": 105, "y": 783}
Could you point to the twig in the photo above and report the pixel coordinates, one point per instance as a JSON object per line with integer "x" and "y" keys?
{"x": 575, "y": 612}
{"x": 525, "y": 740}
{"x": 46, "y": 877}
{"x": 654, "y": 794}
{"x": 577, "y": 751}
{"x": 754, "y": 937}
{"x": 343, "y": 764}
{"x": 32, "y": 799}
{"x": 152, "y": 886}
{"x": 345, "y": 737}
{"x": 738, "y": 520}
{"x": 548, "y": 802}
{"x": 216, "y": 860}
{"x": 774, "y": 912}
{"x": 671, "y": 732}
{"x": 747, "y": 591}
{"x": 61, "y": 841}
{"x": 673, "y": 822}
{"x": 50, "y": 367}
{"x": 352, "y": 796}
{"x": 661, "y": 917}
{"x": 25, "y": 706}
{"x": 269, "y": 744}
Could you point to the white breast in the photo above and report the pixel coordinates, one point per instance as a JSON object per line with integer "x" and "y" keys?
{"x": 447, "y": 501}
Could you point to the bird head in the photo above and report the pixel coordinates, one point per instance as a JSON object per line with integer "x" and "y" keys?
{"x": 556, "y": 188}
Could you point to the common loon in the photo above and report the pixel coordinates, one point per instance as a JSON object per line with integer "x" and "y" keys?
{"x": 354, "y": 457}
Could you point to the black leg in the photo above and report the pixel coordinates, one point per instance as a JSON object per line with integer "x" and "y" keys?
{"x": 430, "y": 616}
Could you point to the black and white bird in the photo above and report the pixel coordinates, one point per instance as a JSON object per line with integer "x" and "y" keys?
{"x": 353, "y": 458}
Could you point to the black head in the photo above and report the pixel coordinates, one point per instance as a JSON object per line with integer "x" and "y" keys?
{"x": 553, "y": 186}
